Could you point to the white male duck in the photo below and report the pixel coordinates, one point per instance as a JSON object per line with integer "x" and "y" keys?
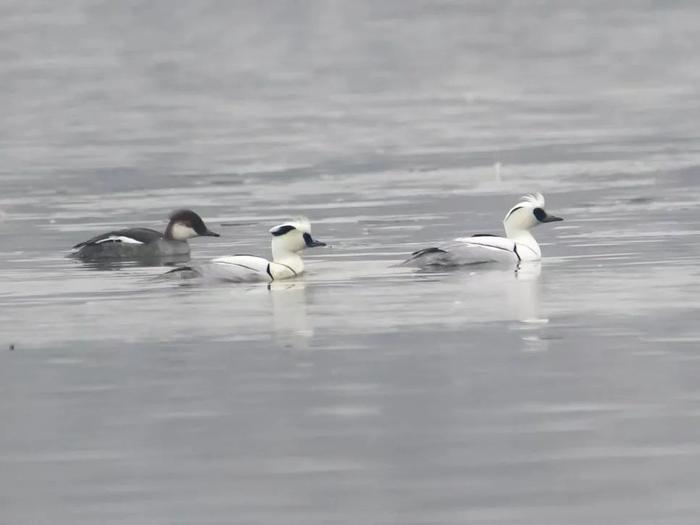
{"x": 517, "y": 246}
{"x": 288, "y": 241}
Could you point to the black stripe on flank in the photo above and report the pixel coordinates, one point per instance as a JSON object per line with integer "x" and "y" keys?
{"x": 239, "y": 265}
{"x": 289, "y": 267}
{"x": 269, "y": 272}
{"x": 493, "y": 247}
{"x": 515, "y": 250}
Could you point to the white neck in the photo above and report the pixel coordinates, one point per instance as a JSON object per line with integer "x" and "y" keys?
{"x": 524, "y": 238}
{"x": 179, "y": 232}
{"x": 281, "y": 254}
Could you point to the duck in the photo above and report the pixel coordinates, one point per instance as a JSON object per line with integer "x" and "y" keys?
{"x": 145, "y": 243}
{"x": 517, "y": 246}
{"x": 288, "y": 241}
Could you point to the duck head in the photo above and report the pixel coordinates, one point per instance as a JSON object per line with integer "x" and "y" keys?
{"x": 186, "y": 224}
{"x": 526, "y": 214}
{"x": 292, "y": 237}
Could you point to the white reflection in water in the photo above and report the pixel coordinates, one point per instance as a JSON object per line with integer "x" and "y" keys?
{"x": 485, "y": 293}
{"x": 524, "y": 295}
{"x": 290, "y": 321}
{"x": 171, "y": 403}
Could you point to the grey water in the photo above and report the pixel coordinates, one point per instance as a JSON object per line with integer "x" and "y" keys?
{"x": 361, "y": 392}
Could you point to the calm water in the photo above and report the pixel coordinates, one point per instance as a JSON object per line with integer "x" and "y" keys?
{"x": 361, "y": 393}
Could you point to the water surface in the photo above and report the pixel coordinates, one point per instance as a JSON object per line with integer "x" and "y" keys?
{"x": 360, "y": 393}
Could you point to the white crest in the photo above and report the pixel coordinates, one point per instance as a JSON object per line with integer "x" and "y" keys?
{"x": 529, "y": 200}
{"x": 299, "y": 223}
{"x": 536, "y": 200}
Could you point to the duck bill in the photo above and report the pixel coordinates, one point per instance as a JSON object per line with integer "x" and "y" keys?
{"x": 552, "y": 218}
{"x": 210, "y": 233}
{"x": 315, "y": 244}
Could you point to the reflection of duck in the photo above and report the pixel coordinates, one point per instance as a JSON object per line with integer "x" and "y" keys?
{"x": 117, "y": 264}
{"x": 517, "y": 246}
{"x": 499, "y": 294}
{"x": 291, "y": 324}
{"x": 524, "y": 294}
{"x": 524, "y": 300}
{"x": 288, "y": 240}
{"x": 145, "y": 243}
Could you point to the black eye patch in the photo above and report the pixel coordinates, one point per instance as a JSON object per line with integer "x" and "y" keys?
{"x": 282, "y": 230}
{"x": 307, "y": 239}
{"x": 540, "y": 214}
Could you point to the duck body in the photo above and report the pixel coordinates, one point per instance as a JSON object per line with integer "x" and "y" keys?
{"x": 132, "y": 243}
{"x": 250, "y": 268}
{"x": 479, "y": 249}
{"x": 517, "y": 246}
{"x": 146, "y": 243}
{"x": 288, "y": 241}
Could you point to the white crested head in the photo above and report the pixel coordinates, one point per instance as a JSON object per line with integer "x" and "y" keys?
{"x": 535, "y": 200}
{"x": 292, "y": 237}
{"x": 529, "y": 201}
{"x": 299, "y": 223}
{"x": 526, "y": 214}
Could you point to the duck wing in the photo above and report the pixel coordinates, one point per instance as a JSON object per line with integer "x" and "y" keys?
{"x": 240, "y": 268}
{"x": 478, "y": 249}
{"x": 126, "y": 236}
{"x": 236, "y": 269}
{"x": 428, "y": 257}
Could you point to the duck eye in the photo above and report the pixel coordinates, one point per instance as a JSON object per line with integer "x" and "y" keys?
{"x": 540, "y": 214}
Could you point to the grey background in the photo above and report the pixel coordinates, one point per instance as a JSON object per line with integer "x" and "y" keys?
{"x": 361, "y": 393}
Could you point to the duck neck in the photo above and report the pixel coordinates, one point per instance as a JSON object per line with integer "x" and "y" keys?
{"x": 524, "y": 238}
{"x": 291, "y": 259}
{"x": 168, "y": 233}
